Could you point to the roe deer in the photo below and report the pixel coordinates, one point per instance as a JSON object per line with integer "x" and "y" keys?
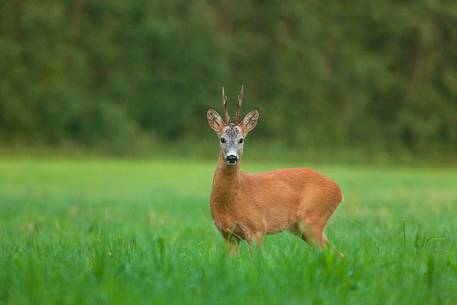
{"x": 247, "y": 206}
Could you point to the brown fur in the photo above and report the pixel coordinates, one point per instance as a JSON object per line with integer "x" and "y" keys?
{"x": 247, "y": 206}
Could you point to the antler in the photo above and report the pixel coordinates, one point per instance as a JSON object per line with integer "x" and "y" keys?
{"x": 239, "y": 102}
{"x": 224, "y": 105}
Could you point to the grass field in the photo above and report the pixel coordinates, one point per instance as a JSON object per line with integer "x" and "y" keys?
{"x": 139, "y": 232}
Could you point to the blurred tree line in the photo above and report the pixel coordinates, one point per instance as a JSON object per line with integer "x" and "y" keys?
{"x": 370, "y": 74}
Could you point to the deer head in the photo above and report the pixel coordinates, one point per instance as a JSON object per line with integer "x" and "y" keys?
{"x": 231, "y": 134}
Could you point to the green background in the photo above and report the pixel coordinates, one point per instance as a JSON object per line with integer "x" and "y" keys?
{"x": 333, "y": 78}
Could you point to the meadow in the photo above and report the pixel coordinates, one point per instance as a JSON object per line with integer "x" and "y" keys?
{"x": 100, "y": 231}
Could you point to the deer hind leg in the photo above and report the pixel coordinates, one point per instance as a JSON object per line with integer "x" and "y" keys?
{"x": 313, "y": 234}
{"x": 313, "y": 219}
{"x": 334, "y": 249}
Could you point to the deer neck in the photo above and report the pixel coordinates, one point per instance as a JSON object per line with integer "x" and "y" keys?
{"x": 226, "y": 182}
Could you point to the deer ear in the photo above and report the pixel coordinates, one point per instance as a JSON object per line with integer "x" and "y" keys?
{"x": 214, "y": 120}
{"x": 250, "y": 121}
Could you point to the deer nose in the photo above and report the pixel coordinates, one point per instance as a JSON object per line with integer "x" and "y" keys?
{"x": 231, "y": 159}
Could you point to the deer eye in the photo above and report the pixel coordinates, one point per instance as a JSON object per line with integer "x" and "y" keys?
{"x": 241, "y": 141}
{"x": 223, "y": 140}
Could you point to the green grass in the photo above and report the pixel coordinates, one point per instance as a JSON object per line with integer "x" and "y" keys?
{"x": 139, "y": 232}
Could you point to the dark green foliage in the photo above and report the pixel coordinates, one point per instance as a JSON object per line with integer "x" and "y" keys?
{"x": 375, "y": 75}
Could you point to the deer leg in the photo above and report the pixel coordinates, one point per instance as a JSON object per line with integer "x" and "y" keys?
{"x": 314, "y": 236}
{"x": 257, "y": 239}
{"x": 334, "y": 249}
{"x": 232, "y": 240}
{"x": 314, "y": 217}
{"x": 311, "y": 230}
{"x": 233, "y": 244}
{"x": 319, "y": 240}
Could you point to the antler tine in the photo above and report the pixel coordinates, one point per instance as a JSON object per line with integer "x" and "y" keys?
{"x": 239, "y": 102}
{"x": 224, "y": 105}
